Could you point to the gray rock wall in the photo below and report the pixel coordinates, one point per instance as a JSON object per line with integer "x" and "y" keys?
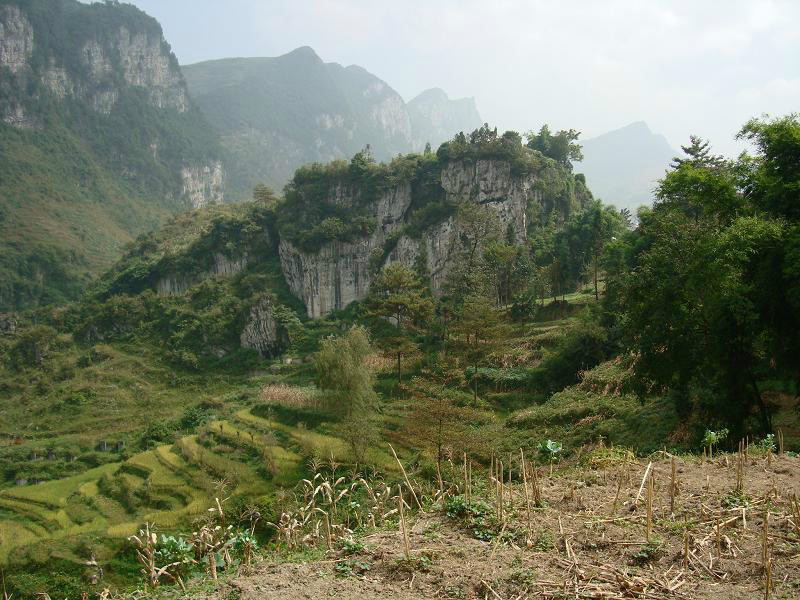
{"x": 262, "y": 332}
{"x": 16, "y": 38}
{"x": 203, "y": 185}
{"x": 339, "y": 273}
{"x": 223, "y": 266}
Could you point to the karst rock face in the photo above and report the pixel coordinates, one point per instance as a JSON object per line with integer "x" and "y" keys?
{"x": 263, "y": 332}
{"x": 340, "y": 272}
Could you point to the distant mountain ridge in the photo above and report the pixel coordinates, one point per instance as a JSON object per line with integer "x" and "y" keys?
{"x": 623, "y": 166}
{"x": 276, "y": 114}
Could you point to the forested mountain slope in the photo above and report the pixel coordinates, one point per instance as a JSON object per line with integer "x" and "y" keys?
{"x": 99, "y": 141}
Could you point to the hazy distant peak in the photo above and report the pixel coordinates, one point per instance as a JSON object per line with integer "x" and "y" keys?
{"x": 306, "y": 54}
{"x": 435, "y": 94}
{"x": 637, "y": 128}
{"x": 623, "y": 165}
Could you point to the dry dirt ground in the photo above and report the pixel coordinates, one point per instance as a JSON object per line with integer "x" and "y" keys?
{"x": 582, "y": 544}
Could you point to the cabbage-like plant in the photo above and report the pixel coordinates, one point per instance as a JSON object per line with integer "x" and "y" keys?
{"x": 244, "y": 544}
{"x": 713, "y": 438}
{"x": 178, "y": 552}
{"x": 550, "y": 449}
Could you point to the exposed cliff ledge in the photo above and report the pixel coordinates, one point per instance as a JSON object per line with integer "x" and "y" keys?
{"x": 144, "y": 62}
{"x": 340, "y": 272}
{"x": 203, "y": 185}
{"x": 108, "y": 62}
{"x": 16, "y": 38}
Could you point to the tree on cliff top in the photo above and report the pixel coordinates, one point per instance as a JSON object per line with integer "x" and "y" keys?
{"x": 559, "y": 146}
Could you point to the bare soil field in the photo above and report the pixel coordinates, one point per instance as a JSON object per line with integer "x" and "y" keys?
{"x": 588, "y": 538}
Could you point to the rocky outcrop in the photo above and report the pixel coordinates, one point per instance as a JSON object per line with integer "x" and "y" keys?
{"x": 263, "y": 332}
{"x": 16, "y": 38}
{"x": 487, "y": 182}
{"x": 223, "y": 266}
{"x": 144, "y": 62}
{"x": 14, "y": 114}
{"x": 8, "y": 323}
{"x": 203, "y": 185}
{"x": 340, "y": 273}
{"x": 58, "y": 82}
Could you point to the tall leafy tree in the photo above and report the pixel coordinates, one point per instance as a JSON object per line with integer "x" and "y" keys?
{"x": 560, "y": 146}
{"x": 712, "y": 269}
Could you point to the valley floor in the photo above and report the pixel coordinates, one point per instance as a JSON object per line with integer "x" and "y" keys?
{"x": 587, "y": 541}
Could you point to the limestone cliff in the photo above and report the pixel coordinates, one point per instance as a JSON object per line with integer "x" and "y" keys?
{"x": 340, "y": 272}
{"x": 97, "y": 67}
{"x": 16, "y": 38}
{"x": 203, "y": 185}
{"x": 263, "y": 332}
{"x": 223, "y": 266}
{"x": 94, "y": 67}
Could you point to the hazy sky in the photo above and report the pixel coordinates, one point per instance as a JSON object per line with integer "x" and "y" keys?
{"x": 683, "y": 66}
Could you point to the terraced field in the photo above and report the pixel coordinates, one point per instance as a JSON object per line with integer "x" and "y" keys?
{"x": 168, "y": 485}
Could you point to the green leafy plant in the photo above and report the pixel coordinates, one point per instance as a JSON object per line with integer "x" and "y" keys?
{"x": 244, "y": 544}
{"x": 544, "y": 542}
{"x": 458, "y": 508}
{"x": 550, "y": 450}
{"x": 648, "y": 554}
{"x": 349, "y": 568}
{"x": 768, "y": 443}
{"x": 350, "y": 546}
{"x": 713, "y": 438}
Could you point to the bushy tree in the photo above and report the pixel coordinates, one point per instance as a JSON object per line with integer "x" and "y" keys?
{"x": 478, "y": 227}
{"x": 708, "y": 279}
{"x": 478, "y": 330}
{"x": 438, "y": 422}
{"x": 560, "y": 146}
{"x": 343, "y": 373}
